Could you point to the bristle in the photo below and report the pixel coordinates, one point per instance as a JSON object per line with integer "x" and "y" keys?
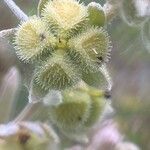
{"x": 33, "y": 40}
{"x": 66, "y": 15}
{"x": 80, "y": 58}
{"x": 73, "y": 112}
{"x": 57, "y": 73}
{"x": 79, "y": 110}
{"x": 41, "y": 6}
{"x": 92, "y": 46}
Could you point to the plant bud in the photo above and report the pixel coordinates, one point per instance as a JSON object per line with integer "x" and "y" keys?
{"x": 56, "y": 73}
{"x": 65, "y": 15}
{"x": 95, "y": 79}
{"x": 80, "y": 109}
{"x": 71, "y": 114}
{"x": 65, "y": 45}
{"x": 33, "y": 40}
{"x": 96, "y": 14}
{"x": 90, "y": 48}
{"x": 41, "y": 6}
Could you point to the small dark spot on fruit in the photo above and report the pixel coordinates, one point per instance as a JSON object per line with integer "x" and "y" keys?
{"x": 79, "y": 118}
{"x": 59, "y": 40}
{"x": 107, "y": 94}
{"x": 100, "y": 58}
{"x": 42, "y": 37}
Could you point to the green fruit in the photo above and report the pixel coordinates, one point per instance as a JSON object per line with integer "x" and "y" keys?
{"x": 95, "y": 79}
{"x": 80, "y": 109}
{"x": 71, "y": 114}
{"x": 90, "y": 48}
{"x": 66, "y": 45}
{"x": 33, "y": 40}
{"x": 56, "y": 73}
{"x": 96, "y": 14}
{"x": 41, "y": 6}
{"x": 65, "y": 15}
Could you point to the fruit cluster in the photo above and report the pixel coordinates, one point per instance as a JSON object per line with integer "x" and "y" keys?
{"x": 66, "y": 43}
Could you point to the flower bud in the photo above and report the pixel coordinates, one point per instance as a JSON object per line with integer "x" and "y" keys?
{"x": 33, "y": 40}
{"x": 71, "y": 114}
{"x": 95, "y": 79}
{"x": 96, "y": 14}
{"x": 65, "y": 15}
{"x": 41, "y": 6}
{"x": 56, "y": 73}
{"x": 79, "y": 110}
{"x": 90, "y": 48}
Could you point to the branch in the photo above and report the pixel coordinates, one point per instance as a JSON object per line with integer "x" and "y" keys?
{"x": 16, "y": 10}
{"x": 8, "y": 32}
{"x": 28, "y": 111}
{"x": 53, "y": 98}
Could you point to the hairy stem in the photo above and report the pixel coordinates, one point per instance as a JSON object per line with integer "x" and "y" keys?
{"x": 8, "y": 32}
{"x": 26, "y": 114}
{"x": 16, "y": 10}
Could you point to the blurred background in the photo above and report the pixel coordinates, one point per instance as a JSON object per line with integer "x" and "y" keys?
{"x": 129, "y": 67}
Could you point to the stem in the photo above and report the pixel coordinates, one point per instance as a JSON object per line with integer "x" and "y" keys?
{"x": 8, "y": 32}
{"x": 29, "y": 109}
{"x": 105, "y": 72}
{"x": 16, "y": 10}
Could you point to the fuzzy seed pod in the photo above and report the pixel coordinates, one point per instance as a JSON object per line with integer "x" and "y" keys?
{"x": 72, "y": 112}
{"x": 65, "y": 15}
{"x": 56, "y": 73}
{"x": 98, "y": 103}
{"x": 33, "y": 40}
{"x": 41, "y": 6}
{"x": 90, "y": 48}
{"x": 80, "y": 109}
{"x": 97, "y": 106}
{"x": 96, "y": 14}
{"x": 95, "y": 79}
